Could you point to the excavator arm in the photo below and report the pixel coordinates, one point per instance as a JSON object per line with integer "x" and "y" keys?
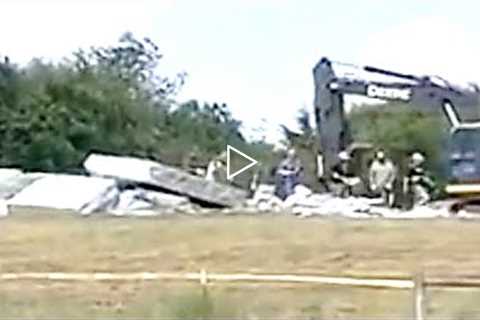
{"x": 422, "y": 93}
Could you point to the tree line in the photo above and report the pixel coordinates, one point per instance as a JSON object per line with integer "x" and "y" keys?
{"x": 113, "y": 99}
{"x": 109, "y": 99}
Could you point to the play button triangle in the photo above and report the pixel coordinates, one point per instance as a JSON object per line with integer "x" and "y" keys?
{"x": 232, "y": 151}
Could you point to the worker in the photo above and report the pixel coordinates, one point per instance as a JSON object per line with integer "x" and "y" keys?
{"x": 254, "y": 183}
{"x": 382, "y": 176}
{"x": 287, "y": 175}
{"x": 418, "y": 184}
{"x": 216, "y": 170}
{"x": 342, "y": 177}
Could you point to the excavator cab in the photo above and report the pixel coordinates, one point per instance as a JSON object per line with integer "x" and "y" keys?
{"x": 464, "y": 161}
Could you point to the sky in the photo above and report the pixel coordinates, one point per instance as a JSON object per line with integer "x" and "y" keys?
{"x": 257, "y": 55}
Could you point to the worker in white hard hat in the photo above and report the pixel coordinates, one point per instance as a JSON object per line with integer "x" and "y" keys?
{"x": 342, "y": 177}
{"x": 417, "y": 159}
{"x": 418, "y": 184}
{"x": 382, "y": 176}
{"x": 344, "y": 156}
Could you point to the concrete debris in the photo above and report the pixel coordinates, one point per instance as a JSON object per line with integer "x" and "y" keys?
{"x": 304, "y": 203}
{"x": 13, "y": 183}
{"x": 264, "y": 199}
{"x": 117, "y": 186}
{"x": 4, "y": 210}
{"x": 327, "y": 205}
{"x": 103, "y": 201}
{"x": 167, "y": 200}
{"x": 463, "y": 214}
{"x": 141, "y": 202}
{"x": 138, "y": 199}
{"x": 300, "y": 194}
{"x": 6, "y": 174}
{"x": 87, "y": 195}
{"x": 419, "y": 212}
{"x": 165, "y": 177}
{"x": 67, "y": 192}
{"x": 120, "y": 186}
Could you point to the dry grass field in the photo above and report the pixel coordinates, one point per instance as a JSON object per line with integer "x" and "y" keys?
{"x": 38, "y": 241}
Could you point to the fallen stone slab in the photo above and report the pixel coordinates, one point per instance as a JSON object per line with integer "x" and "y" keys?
{"x": 7, "y": 173}
{"x": 165, "y": 177}
{"x": 135, "y": 202}
{"x": 136, "y": 199}
{"x": 103, "y": 202}
{"x": 4, "y": 210}
{"x": 68, "y": 192}
{"x": 141, "y": 199}
{"x": 144, "y": 203}
{"x": 13, "y": 183}
{"x": 162, "y": 200}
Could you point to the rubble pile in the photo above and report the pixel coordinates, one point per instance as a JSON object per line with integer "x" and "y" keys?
{"x": 62, "y": 192}
{"x": 304, "y": 203}
{"x": 119, "y": 186}
{"x": 164, "y": 177}
{"x": 122, "y": 186}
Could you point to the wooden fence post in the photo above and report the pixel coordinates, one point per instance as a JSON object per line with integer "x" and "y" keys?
{"x": 203, "y": 277}
{"x": 419, "y": 297}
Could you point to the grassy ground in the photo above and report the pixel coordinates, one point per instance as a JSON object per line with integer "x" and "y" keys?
{"x": 35, "y": 241}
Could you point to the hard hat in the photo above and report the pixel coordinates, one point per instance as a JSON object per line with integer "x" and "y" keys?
{"x": 380, "y": 154}
{"x": 344, "y": 155}
{"x": 417, "y": 157}
{"x": 291, "y": 152}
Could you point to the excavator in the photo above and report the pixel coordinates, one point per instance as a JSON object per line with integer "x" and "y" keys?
{"x": 461, "y": 106}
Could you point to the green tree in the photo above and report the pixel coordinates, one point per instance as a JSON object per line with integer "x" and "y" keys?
{"x": 134, "y": 61}
{"x": 208, "y": 127}
{"x": 54, "y": 114}
{"x": 305, "y": 143}
{"x": 58, "y": 115}
{"x": 108, "y": 99}
{"x": 401, "y": 129}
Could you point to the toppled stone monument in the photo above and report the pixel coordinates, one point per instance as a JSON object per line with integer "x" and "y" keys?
{"x": 165, "y": 177}
{"x": 6, "y": 173}
{"x": 141, "y": 202}
{"x": 12, "y": 181}
{"x": 60, "y": 191}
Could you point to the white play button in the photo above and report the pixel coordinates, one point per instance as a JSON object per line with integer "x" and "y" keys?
{"x": 251, "y": 162}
